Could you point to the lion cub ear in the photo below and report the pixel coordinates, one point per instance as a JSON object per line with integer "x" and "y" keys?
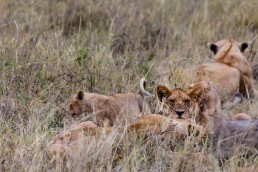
{"x": 213, "y": 48}
{"x": 80, "y": 95}
{"x": 196, "y": 93}
{"x": 243, "y": 46}
{"x": 162, "y": 92}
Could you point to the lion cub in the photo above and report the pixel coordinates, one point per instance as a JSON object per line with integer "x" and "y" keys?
{"x": 108, "y": 109}
{"x": 64, "y": 144}
{"x": 231, "y": 70}
{"x": 176, "y": 129}
{"x": 199, "y": 103}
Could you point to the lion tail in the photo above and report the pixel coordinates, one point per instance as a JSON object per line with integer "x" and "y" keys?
{"x": 219, "y": 57}
{"x": 143, "y": 87}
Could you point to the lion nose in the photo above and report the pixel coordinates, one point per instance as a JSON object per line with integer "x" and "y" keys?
{"x": 179, "y": 112}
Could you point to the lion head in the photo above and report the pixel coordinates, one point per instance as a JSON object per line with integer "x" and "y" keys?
{"x": 222, "y": 47}
{"x": 79, "y": 104}
{"x": 182, "y": 103}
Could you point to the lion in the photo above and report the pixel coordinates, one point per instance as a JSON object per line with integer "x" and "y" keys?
{"x": 166, "y": 127}
{"x": 210, "y": 102}
{"x": 63, "y": 144}
{"x": 87, "y": 128}
{"x": 226, "y": 134}
{"x": 227, "y": 82}
{"x": 108, "y": 109}
{"x": 199, "y": 103}
{"x": 231, "y": 70}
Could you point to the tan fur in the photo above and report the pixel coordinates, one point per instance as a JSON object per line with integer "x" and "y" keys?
{"x": 178, "y": 101}
{"x": 58, "y": 151}
{"x": 234, "y": 58}
{"x": 240, "y": 116}
{"x": 176, "y": 129}
{"x": 82, "y": 129}
{"x": 62, "y": 145}
{"x": 210, "y": 102}
{"x": 227, "y": 81}
{"x": 230, "y": 71}
{"x": 229, "y": 53}
{"x": 209, "y": 114}
{"x": 204, "y": 104}
{"x": 109, "y": 109}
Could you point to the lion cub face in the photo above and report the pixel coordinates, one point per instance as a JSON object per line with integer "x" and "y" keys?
{"x": 78, "y": 105}
{"x": 181, "y": 103}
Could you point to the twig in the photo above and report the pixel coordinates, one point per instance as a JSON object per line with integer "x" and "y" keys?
{"x": 17, "y": 32}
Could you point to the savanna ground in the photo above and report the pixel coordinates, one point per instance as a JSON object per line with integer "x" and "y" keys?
{"x": 50, "y": 49}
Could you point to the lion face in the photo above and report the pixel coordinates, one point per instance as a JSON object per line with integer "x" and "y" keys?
{"x": 78, "y": 105}
{"x": 181, "y": 103}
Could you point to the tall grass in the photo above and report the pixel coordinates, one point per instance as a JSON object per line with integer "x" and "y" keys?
{"x": 50, "y": 49}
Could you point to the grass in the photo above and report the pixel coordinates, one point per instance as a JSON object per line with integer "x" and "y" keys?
{"x": 50, "y": 49}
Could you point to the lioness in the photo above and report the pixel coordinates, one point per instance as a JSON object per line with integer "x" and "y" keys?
{"x": 200, "y": 103}
{"x": 62, "y": 145}
{"x": 107, "y": 109}
{"x": 226, "y": 134}
{"x": 166, "y": 127}
{"x": 231, "y": 69}
{"x": 204, "y": 107}
{"x": 187, "y": 104}
{"x": 210, "y": 102}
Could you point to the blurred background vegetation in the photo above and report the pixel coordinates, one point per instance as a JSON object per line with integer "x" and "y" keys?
{"x": 51, "y": 48}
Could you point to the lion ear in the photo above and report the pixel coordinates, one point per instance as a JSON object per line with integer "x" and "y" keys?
{"x": 214, "y": 48}
{"x": 80, "y": 95}
{"x": 243, "y": 46}
{"x": 196, "y": 93}
{"x": 162, "y": 92}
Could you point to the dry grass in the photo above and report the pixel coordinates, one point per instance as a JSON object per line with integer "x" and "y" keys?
{"x": 50, "y": 49}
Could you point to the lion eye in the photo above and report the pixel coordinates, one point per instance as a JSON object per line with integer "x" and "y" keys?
{"x": 71, "y": 107}
{"x": 187, "y": 102}
{"x": 172, "y": 102}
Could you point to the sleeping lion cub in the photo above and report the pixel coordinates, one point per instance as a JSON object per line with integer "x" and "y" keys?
{"x": 166, "y": 127}
{"x": 107, "y": 109}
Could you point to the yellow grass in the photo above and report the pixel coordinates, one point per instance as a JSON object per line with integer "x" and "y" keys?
{"x": 51, "y": 48}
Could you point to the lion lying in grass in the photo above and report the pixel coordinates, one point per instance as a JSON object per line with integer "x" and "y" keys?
{"x": 231, "y": 70}
{"x": 108, "y": 109}
{"x": 64, "y": 144}
{"x": 166, "y": 127}
{"x": 230, "y": 137}
{"x": 194, "y": 104}
{"x": 200, "y": 103}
